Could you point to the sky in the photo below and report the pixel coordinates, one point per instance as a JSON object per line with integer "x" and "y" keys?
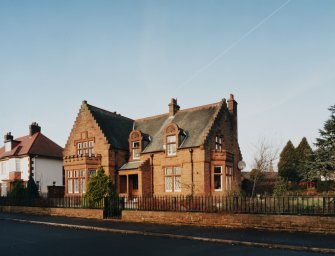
{"x": 277, "y": 57}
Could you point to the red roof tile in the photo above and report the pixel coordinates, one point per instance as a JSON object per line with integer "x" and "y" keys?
{"x": 37, "y": 144}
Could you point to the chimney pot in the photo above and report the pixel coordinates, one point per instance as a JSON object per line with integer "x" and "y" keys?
{"x": 8, "y": 137}
{"x": 34, "y": 128}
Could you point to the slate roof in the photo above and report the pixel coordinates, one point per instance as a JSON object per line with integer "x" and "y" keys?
{"x": 115, "y": 127}
{"x": 37, "y": 144}
{"x": 131, "y": 165}
{"x": 194, "y": 121}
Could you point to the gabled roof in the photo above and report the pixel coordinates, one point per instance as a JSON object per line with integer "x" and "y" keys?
{"x": 37, "y": 144}
{"x": 116, "y": 128}
{"x": 196, "y": 122}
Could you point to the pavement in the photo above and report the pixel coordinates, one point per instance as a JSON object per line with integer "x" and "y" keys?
{"x": 294, "y": 241}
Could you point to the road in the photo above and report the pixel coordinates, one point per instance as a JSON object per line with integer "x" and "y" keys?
{"x": 33, "y": 239}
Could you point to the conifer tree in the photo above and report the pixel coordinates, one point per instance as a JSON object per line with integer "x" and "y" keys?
{"x": 100, "y": 186}
{"x": 32, "y": 190}
{"x": 304, "y": 155}
{"x": 287, "y": 163}
{"x": 325, "y": 153}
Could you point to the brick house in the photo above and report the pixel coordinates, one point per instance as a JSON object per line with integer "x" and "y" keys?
{"x": 182, "y": 152}
{"x": 33, "y": 153}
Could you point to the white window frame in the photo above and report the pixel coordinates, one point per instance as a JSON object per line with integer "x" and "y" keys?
{"x": 171, "y": 145}
{"x": 218, "y": 143}
{"x": 220, "y": 175}
{"x": 136, "y": 149}
{"x": 70, "y": 182}
{"x": 175, "y": 172}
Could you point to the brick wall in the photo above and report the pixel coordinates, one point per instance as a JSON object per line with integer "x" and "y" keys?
{"x": 67, "y": 212}
{"x": 317, "y": 224}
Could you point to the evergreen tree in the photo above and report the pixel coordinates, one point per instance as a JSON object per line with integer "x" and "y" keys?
{"x": 304, "y": 155}
{"x": 287, "y": 163}
{"x": 100, "y": 186}
{"x": 32, "y": 190}
{"x": 325, "y": 153}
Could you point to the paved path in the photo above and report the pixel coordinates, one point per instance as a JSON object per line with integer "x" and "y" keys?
{"x": 243, "y": 237}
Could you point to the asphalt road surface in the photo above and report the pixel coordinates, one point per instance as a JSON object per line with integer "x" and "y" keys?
{"x": 33, "y": 239}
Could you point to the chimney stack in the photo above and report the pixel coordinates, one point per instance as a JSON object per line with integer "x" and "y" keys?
{"x": 8, "y": 137}
{"x": 34, "y": 128}
{"x": 173, "y": 107}
{"x": 232, "y": 107}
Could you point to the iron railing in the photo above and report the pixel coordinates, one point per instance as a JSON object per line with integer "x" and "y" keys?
{"x": 293, "y": 205}
{"x": 63, "y": 202}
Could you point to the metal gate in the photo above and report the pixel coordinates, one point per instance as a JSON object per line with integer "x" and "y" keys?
{"x": 113, "y": 207}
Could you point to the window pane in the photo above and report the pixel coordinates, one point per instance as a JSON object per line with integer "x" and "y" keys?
{"x": 85, "y": 144}
{"x": 136, "y": 144}
{"x": 69, "y": 186}
{"x": 218, "y": 182}
{"x": 91, "y": 173}
{"x": 79, "y": 145}
{"x": 177, "y": 170}
{"x": 136, "y": 153}
{"x": 168, "y": 171}
{"x": 168, "y": 184}
{"x": 177, "y": 184}
{"x": 91, "y": 143}
{"x": 69, "y": 174}
{"x": 83, "y": 185}
{"x": 171, "y": 139}
{"x": 76, "y": 185}
{"x": 171, "y": 149}
{"x": 217, "y": 169}
{"x": 228, "y": 183}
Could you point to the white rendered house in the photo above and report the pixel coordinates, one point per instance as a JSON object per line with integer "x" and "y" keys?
{"x": 34, "y": 153}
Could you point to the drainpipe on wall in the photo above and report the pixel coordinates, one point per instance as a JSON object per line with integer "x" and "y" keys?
{"x": 116, "y": 171}
{"x": 192, "y": 183}
{"x": 152, "y": 174}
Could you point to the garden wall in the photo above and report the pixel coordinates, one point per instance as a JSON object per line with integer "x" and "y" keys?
{"x": 67, "y": 212}
{"x": 316, "y": 224}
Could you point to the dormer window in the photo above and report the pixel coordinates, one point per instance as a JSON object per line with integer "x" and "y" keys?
{"x": 137, "y": 143}
{"x": 136, "y": 150}
{"x": 171, "y": 145}
{"x": 218, "y": 143}
{"x": 173, "y": 136}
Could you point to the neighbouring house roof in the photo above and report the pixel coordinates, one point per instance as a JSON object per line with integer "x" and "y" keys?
{"x": 37, "y": 144}
{"x": 115, "y": 127}
{"x": 196, "y": 122}
{"x": 131, "y": 165}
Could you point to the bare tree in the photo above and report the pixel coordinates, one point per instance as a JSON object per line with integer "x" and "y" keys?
{"x": 264, "y": 157}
